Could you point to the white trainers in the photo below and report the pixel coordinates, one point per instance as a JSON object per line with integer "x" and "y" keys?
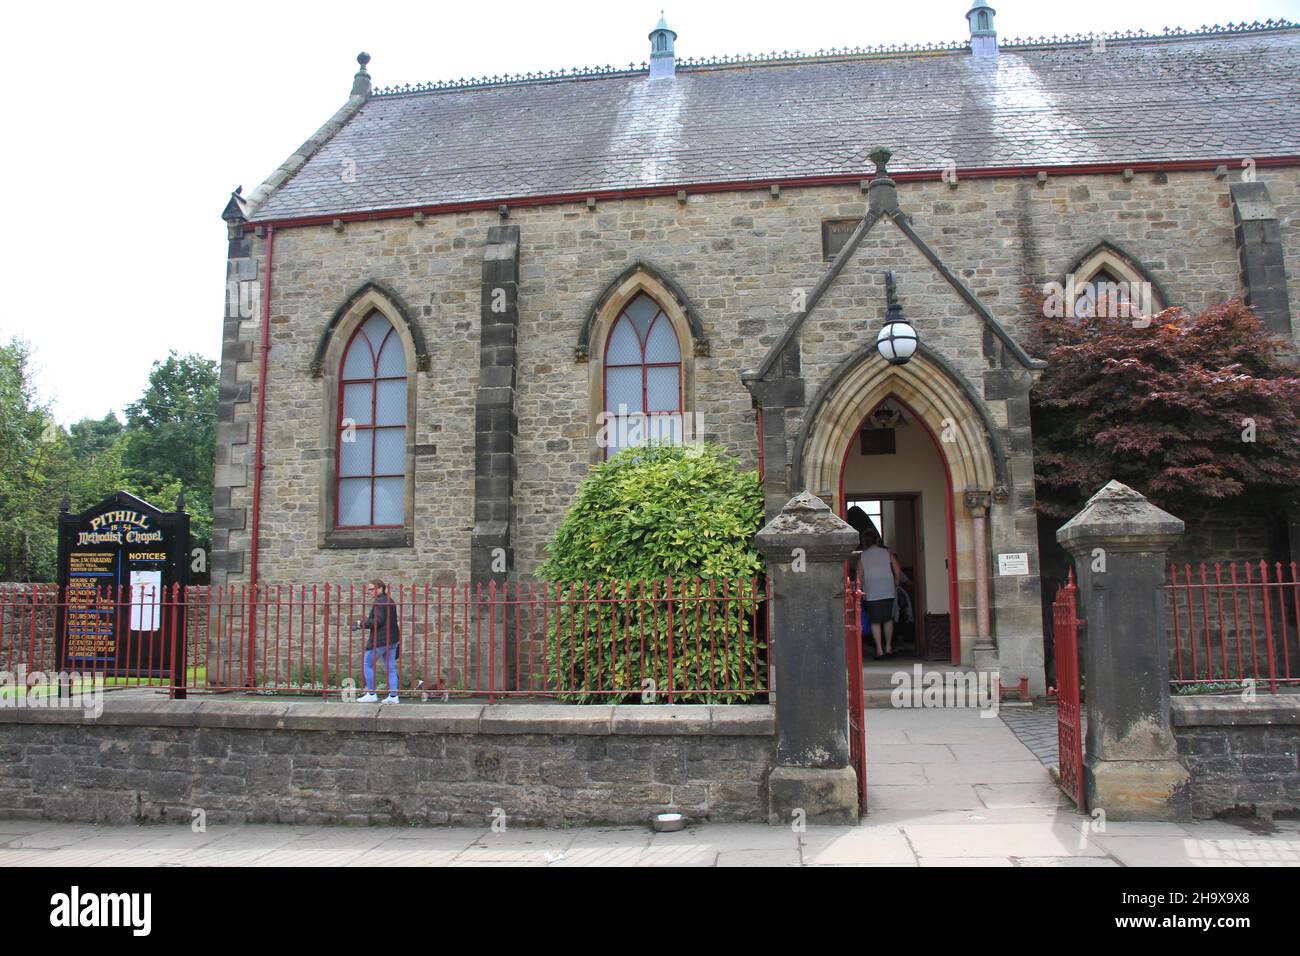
{"x": 367, "y": 699}
{"x": 392, "y": 699}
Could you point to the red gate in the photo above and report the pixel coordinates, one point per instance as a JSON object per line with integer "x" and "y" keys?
{"x": 1069, "y": 741}
{"x": 853, "y": 660}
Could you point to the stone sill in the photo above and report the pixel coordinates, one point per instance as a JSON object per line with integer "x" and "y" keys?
{"x": 1231, "y": 711}
{"x": 370, "y": 538}
{"x": 739, "y": 720}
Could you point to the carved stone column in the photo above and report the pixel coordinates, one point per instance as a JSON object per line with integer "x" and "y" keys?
{"x": 805, "y": 547}
{"x": 986, "y": 651}
{"x": 1120, "y": 543}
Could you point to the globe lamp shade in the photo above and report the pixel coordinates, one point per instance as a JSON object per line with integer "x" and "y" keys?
{"x": 896, "y": 342}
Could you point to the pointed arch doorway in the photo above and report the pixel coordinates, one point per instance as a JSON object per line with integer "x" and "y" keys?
{"x": 894, "y": 469}
{"x": 951, "y": 446}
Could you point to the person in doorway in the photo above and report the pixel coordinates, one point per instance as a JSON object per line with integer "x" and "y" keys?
{"x": 878, "y": 576}
{"x": 384, "y": 637}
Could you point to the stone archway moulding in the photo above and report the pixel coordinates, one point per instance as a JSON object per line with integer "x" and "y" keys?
{"x": 1123, "y": 264}
{"x": 958, "y": 422}
{"x": 931, "y": 389}
{"x": 371, "y": 295}
{"x": 641, "y": 277}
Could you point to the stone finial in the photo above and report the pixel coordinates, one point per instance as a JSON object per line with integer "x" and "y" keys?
{"x": 1120, "y": 519}
{"x": 361, "y": 79}
{"x": 806, "y": 522}
{"x": 880, "y": 156}
{"x": 65, "y": 504}
{"x": 236, "y": 211}
{"x": 882, "y": 197}
{"x": 180, "y": 500}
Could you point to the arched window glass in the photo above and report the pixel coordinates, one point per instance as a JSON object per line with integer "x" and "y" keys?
{"x": 371, "y": 491}
{"x": 643, "y": 378}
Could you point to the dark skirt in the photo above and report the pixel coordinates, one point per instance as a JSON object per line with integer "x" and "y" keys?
{"x": 878, "y": 612}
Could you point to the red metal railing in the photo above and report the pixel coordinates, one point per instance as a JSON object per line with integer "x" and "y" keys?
{"x": 853, "y": 660}
{"x": 1230, "y": 624}
{"x": 673, "y": 641}
{"x": 1069, "y": 738}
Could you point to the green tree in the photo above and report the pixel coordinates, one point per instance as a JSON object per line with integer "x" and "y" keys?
{"x": 169, "y": 443}
{"x": 644, "y": 517}
{"x": 172, "y": 429}
{"x": 34, "y": 460}
{"x": 94, "y": 436}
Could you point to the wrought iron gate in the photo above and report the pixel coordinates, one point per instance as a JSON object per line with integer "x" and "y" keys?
{"x": 1069, "y": 741}
{"x": 853, "y": 660}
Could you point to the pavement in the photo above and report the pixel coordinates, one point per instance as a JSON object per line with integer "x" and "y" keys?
{"x": 946, "y": 787}
{"x": 1035, "y": 727}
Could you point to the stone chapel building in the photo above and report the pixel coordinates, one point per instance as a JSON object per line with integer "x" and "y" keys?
{"x": 472, "y": 277}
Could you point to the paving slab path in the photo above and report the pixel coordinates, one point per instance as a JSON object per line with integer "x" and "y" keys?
{"x": 945, "y": 788}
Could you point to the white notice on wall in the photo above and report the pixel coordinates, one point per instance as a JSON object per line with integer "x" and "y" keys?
{"x": 146, "y": 595}
{"x": 1013, "y": 564}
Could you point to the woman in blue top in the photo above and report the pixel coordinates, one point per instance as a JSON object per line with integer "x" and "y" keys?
{"x": 878, "y": 575}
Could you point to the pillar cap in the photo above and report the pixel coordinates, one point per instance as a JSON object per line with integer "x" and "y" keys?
{"x": 1119, "y": 519}
{"x": 806, "y": 522}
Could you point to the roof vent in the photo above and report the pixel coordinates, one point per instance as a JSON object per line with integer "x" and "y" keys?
{"x": 663, "y": 61}
{"x": 983, "y": 38}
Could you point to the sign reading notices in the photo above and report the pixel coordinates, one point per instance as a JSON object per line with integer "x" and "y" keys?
{"x": 118, "y": 564}
{"x": 1013, "y": 564}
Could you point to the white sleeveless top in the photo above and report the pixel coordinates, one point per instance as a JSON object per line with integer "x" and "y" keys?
{"x": 876, "y": 574}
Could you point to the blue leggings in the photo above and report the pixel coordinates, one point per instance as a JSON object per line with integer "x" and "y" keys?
{"x": 390, "y": 658}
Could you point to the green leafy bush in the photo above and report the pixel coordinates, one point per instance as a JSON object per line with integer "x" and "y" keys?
{"x": 633, "y": 561}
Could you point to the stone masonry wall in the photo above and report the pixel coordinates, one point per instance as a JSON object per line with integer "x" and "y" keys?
{"x": 242, "y": 762}
{"x": 1242, "y": 755}
{"x": 737, "y": 256}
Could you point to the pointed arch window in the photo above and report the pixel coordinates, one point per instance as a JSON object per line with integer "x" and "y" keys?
{"x": 371, "y": 429}
{"x": 1104, "y": 283}
{"x": 643, "y": 377}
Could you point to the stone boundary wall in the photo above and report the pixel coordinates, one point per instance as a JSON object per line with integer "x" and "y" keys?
{"x": 148, "y": 761}
{"x": 1242, "y": 755}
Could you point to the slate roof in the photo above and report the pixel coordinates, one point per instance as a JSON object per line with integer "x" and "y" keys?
{"x": 1216, "y": 96}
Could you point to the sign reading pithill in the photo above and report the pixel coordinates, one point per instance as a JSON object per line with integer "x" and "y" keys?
{"x": 118, "y": 562}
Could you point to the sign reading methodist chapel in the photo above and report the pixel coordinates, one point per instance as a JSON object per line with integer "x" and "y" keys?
{"x": 118, "y": 562}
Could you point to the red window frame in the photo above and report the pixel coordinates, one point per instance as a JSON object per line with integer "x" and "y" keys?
{"x": 660, "y": 316}
{"x": 373, "y": 381}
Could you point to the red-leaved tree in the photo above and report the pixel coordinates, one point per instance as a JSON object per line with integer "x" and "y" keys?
{"x": 1184, "y": 408}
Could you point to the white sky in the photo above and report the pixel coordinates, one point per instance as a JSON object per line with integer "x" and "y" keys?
{"x": 131, "y": 123}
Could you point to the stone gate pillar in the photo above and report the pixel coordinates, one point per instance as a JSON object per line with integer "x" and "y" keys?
{"x": 805, "y": 547}
{"x": 1120, "y": 542}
